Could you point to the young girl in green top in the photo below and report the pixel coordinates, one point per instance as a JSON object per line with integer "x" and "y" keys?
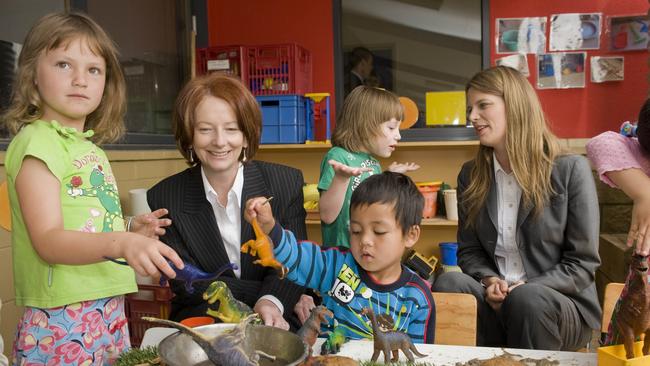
{"x": 69, "y": 94}
{"x": 368, "y": 127}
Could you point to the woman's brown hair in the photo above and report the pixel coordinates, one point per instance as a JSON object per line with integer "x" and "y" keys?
{"x": 230, "y": 89}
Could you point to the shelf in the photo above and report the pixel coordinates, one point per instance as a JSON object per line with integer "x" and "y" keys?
{"x": 437, "y": 221}
{"x": 412, "y": 144}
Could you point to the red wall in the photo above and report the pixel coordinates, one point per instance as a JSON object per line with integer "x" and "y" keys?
{"x": 584, "y": 112}
{"x": 308, "y": 23}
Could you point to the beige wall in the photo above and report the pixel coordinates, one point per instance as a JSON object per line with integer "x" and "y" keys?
{"x": 132, "y": 169}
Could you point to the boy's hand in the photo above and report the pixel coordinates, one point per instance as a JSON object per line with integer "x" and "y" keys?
{"x": 396, "y": 167}
{"x": 151, "y": 224}
{"x": 344, "y": 171}
{"x": 260, "y": 208}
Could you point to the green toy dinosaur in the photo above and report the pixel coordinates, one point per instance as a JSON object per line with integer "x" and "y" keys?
{"x": 230, "y": 310}
{"x": 334, "y": 342}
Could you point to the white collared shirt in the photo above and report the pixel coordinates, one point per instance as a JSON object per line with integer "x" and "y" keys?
{"x": 229, "y": 222}
{"x": 507, "y": 254}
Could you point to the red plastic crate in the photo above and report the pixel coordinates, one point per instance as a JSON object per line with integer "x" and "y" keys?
{"x": 279, "y": 69}
{"x": 230, "y": 60}
{"x": 150, "y": 300}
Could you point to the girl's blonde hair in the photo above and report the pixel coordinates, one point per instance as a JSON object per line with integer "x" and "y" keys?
{"x": 58, "y": 30}
{"x": 530, "y": 145}
{"x": 364, "y": 110}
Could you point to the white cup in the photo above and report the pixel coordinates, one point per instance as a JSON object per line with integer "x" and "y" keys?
{"x": 451, "y": 204}
{"x": 138, "y": 198}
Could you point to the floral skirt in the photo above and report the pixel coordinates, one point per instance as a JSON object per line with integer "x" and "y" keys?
{"x": 91, "y": 332}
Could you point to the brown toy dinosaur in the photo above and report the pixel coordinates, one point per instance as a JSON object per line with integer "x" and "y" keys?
{"x": 390, "y": 342}
{"x": 311, "y": 329}
{"x": 226, "y": 349}
{"x": 263, "y": 248}
{"x": 329, "y": 361}
{"x": 632, "y": 312}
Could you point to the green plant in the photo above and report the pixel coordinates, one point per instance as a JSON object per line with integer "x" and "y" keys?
{"x": 137, "y": 356}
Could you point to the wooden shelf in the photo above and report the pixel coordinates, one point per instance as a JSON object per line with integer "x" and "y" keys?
{"x": 437, "y": 221}
{"x": 327, "y": 146}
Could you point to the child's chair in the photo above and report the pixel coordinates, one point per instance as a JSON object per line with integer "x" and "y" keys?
{"x": 456, "y": 316}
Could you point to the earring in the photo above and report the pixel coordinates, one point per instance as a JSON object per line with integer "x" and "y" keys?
{"x": 191, "y": 155}
{"x": 243, "y": 159}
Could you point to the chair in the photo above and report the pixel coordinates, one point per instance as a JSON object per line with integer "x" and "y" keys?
{"x": 612, "y": 293}
{"x": 456, "y": 316}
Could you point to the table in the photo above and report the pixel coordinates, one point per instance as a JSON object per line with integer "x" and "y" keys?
{"x": 439, "y": 354}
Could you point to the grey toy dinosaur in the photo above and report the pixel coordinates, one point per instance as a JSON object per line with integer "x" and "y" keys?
{"x": 390, "y": 341}
{"x": 226, "y": 349}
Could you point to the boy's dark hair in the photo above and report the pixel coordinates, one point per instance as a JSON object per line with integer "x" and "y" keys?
{"x": 395, "y": 188}
{"x": 643, "y": 127}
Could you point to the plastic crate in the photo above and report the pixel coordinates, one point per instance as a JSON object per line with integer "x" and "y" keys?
{"x": 279, "y": 69}
{"x": 150, "y": 300}
{"x": 229, "y": 60}
{"x": 284, "y": 118}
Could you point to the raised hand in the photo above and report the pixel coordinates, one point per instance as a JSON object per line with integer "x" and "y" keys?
{"x": 396, "y": 167}
{"x": 345, "y": 171}
{"x": 151, "y": 224}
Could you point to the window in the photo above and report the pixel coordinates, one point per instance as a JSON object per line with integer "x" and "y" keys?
{"x": 418, "y": 46}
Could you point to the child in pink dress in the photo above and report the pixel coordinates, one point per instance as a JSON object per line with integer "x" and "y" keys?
{"x": 622, "y": 160}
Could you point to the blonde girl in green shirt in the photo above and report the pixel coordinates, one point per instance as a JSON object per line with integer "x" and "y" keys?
{"x": 69, "y": 95}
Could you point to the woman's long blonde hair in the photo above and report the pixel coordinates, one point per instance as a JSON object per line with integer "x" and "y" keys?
{"x": 51, "y": 32}
{"x": 530, "y": 145}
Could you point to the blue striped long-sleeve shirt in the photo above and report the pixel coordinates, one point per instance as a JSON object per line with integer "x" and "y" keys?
{"x": 347, "y": 288}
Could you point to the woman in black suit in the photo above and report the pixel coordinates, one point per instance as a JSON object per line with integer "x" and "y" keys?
{"x": 217, "y": 124}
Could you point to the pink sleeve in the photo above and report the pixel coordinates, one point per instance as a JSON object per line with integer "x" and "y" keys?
{"x": 611, "y": 151}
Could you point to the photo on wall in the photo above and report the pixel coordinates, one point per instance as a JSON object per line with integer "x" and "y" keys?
{"x": 522, "y": 35}
{"x": 518, "y": 62}
{"x": 575, "y": 32}
{"x": 628, "y": 33}
{"x": 607, "y": 69}
{"x": 561, "y": 70}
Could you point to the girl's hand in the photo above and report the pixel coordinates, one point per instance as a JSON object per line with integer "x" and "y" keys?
{"x": 260, "y": 208}
{"x": 345, "y": 171}
{"x": 151, "y": 224}
{"x": 149, "y": 257}
{"x": 396, "y": 167}
{"x": 640, "y": 226}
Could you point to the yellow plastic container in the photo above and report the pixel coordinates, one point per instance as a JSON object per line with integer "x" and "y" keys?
{"x": 446, "y": 108}
{"x": 615, "y": 356}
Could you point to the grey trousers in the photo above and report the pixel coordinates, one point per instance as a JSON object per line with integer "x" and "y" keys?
{"x": 532, "y": 316}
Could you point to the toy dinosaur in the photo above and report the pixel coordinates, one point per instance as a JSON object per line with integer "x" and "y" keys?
{"x": 334, "y": 342}
{"x": 631, "y": 316}
{"x": 226, "y": 349}
{"x": 329, "y": 361}
{"x": 390, "y": 341}
{"x": 230, "y": 310}
{"x": 263, "y": 248}
{"x": 311, "y": 328}
{"x": 190, "y": 274}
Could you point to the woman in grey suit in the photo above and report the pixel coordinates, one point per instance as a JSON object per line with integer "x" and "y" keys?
{"x": 528, "y": 224}
{"x": 217, "y": 125}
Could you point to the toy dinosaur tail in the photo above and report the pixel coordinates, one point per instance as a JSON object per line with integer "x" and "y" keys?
{"x": 196, "y": 336}
{"x": 415, "y": 351}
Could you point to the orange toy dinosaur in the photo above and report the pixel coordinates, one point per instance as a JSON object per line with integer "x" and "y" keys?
{"x": 263, "y": 248}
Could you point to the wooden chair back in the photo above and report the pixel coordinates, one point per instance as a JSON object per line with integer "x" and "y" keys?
{"x": 456, "y": 316}
{"x": 612, "y": 293}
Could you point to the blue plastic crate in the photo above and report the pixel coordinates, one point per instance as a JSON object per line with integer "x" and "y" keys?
{"x": 285, "y": 118}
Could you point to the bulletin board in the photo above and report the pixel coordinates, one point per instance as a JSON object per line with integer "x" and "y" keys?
{"x": 583, "y": 111}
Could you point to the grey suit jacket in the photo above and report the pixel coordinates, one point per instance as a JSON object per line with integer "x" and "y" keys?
{"x": 559, "y": 249}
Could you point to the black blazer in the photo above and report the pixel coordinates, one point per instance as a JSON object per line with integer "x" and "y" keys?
{"x": 195, "y": 235}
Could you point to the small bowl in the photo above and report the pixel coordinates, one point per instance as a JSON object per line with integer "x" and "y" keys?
{"x": 197, "y": 321}
{"x": 180, "y": 350}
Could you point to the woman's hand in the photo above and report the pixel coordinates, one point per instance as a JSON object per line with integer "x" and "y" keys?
{"x": 343, "y": 171}
{"x": 270, "y": 314}
{"x": 151, "y": 224}
{"x": 640, "y": 225}
{"x": 495, "y": 292}
{"x": 396, "y": 167}
{"x": 260, "y": 208}
{"x": 303, "y": 307}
